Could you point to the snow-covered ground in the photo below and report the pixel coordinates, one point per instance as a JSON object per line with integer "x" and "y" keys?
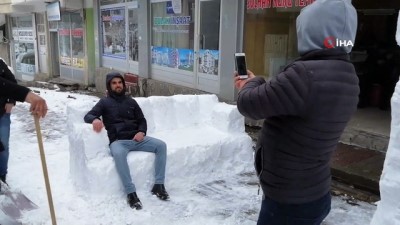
{"x": 224, "y": 198}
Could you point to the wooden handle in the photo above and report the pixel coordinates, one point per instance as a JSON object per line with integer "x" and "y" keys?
{"x": 44, "y": 167}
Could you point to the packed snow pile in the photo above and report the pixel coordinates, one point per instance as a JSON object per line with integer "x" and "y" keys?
{"x": 183, "y": 122}
{"x": 398, "y": 31}
{"x": 388, "y": 211}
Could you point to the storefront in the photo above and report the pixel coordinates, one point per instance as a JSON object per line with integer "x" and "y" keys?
{"x": 119, "y": 34}
{"x": 180, "y": 42}
{"x": 23, "y": 45}
{"x": 270, "y": 43}
{"x": 67, "y": 45}
{"x": 185, "y": 48}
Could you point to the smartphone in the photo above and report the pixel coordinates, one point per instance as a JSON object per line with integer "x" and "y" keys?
{"x": 240, "y": 63}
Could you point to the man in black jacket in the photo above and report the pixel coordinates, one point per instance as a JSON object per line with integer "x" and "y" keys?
{"x": 305, "y": 109}
{"x": 126, "y": 129}
{"x": 9, "y": 93}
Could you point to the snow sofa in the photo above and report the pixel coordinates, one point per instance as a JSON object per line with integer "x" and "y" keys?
{"x": 203, "y": 136}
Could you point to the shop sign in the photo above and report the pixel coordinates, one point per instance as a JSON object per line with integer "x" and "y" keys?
{"x": 77, "y": 32}
{"x": 23, "y": 35}
{"x": 173, "y": 20}
{"x": 112, "y": 18}
{"x": 64, "y": 32}
{"x": 53, "y": 11}
{"x": 266, "y": 4}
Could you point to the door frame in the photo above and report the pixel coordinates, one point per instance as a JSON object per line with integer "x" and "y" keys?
{"x": 204, "y": 81}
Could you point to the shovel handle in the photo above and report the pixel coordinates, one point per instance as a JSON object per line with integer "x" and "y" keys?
{"x": 44, "y": 167}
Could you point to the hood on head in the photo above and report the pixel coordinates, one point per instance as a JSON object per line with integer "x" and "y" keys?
{"x": 112, "y": 75}
{"x": 321, "y": 23}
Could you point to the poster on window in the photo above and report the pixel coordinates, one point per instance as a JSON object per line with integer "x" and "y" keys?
{"x": 114, "y": 35}
{"x": 173, "y": 57}
{"x": 174, "y": 7}
{"x": 208, "y": 61}
{"x": 24, "y": 58}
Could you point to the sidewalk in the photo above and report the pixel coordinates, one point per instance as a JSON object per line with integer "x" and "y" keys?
{"x": 357, "y": 166}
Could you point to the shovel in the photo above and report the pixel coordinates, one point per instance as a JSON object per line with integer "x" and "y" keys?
{"x": 44, "y": 167}
{"x": 12, "y": 203}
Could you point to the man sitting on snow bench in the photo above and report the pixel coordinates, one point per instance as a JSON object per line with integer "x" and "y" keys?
{"x": 126, "y": 129}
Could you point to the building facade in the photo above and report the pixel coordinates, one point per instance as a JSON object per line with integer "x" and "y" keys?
{"x": 188, "y": 44}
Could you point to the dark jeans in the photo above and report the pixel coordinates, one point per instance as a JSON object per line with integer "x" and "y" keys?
{"x": 311, "y": 213}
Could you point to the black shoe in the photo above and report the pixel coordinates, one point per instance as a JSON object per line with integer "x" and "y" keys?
{"x": 134, "y": 201}
{"x": 159, "y": 191}
{"x": 3, "y": 178}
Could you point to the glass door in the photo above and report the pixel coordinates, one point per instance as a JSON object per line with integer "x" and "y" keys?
{"x": 132, "y": 39}
{"x": 208, "y": 28}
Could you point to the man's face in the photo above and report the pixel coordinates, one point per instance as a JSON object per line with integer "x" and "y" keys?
{"x": 116, "y": 85}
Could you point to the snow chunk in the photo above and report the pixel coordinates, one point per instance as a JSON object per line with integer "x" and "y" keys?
{"x": 388, "y": 210}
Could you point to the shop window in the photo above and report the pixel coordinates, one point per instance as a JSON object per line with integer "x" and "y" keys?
{"x": 114, "y": 34}
{"x": 172, "y": 34}
{"x": 70, "y": 36}
{"x": 133, "y": 34}
{"x": 270, "y": 39}
{"x": 24, "y": 50}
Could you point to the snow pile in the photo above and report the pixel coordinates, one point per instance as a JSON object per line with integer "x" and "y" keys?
{"x": 388, "y": 211}
{"x": 218, "y": 198}
{"x": 398, "y": 31}
{"x": 183, "y": 122}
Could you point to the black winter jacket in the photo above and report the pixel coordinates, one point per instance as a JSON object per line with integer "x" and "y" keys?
{"x": 122, "y": 119}
{"x": 306, "y": 108}
{"x": 7, "y": 78}
{"x": 122, "y": 116}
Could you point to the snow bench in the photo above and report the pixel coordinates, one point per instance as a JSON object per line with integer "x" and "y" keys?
{"x": 184, "y": 122}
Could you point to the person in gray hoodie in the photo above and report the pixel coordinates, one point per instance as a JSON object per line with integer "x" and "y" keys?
{"x": 305, "y": 108}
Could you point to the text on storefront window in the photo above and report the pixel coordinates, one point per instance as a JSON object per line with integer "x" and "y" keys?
{"x": 265, "y": 4}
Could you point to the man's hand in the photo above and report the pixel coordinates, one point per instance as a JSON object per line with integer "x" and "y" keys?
{"x": 8, "y": 107}
{"x": 97, "y": 125}
{"x": 239, "y": 83}
{"x": 139, "y": 136}
{"x": 38, "y": 104}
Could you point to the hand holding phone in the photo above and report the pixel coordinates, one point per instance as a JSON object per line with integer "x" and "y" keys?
{"x": 240, "y": 63}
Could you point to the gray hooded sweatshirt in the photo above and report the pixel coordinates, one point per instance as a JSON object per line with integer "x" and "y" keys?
{"x": 305, "y": 107}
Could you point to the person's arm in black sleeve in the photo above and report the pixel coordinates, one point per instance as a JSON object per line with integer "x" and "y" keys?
{"x": 6, "y": 72}
{"x": 286, "y": 94}
{"x": 95, "y": 113}
{"x": 8, "y": 75}
{"x": 12, "y": 90}
{"x": 142, "y": 123}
